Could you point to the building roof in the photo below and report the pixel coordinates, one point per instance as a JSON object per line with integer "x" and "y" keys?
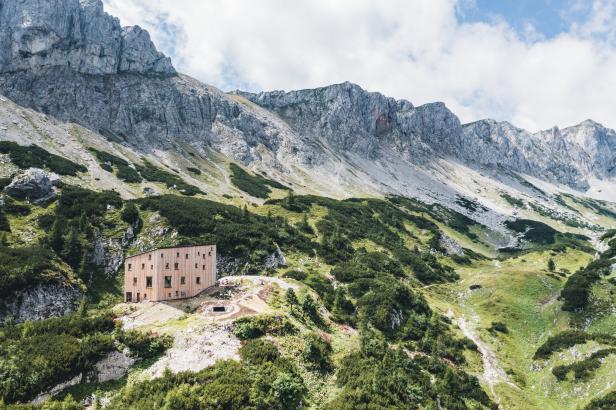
{"x": 167, "y": 247}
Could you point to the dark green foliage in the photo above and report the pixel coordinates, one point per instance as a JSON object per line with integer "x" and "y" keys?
{"x": 291, "y": 297}
{"x": 607, "y": 402}
{"x": 383, "y": 300}
{"x": 583, "y": 369}
{"x": 296, "y": 274}
{"x": 601, "y": 207}
{"x": 254, "y": 185}
{"x": 259, "y": 351}
{"x": 569, "y": 338}
{"x": 144, "y": 345}
{"x": 74, "y": 252}
{"x": 262, "y": 380}
{"x": 74, "y": 202}
{"x": 12, "y": 207}
{"x": 130, "y": 213}
{"x": 577, "y": 289}
{"x": 4, "y": 182}
{"x": 24, "y": 267}
{"x": 317, "y": 352}
{"x": 5, "y": 226}
{"x": 379, "y": 221}
{"x": 533, "y": 231}
{"x": 195, "y": 171}
{"x": 311, "y": 310}
{"x": 124, "y": 172}
{"x": 499, "y": 327}
{"x": 36, "y": 356}
{"x": 518, "y": 203}
{"x": 34, "y": 156}
{"x": 455, "y": 220}
{"x": 252, "y": 327}
{"x": 377, "y": 377}
{"x": 151, "y": 173}
{"x": 234, "y": 232}
{"x": 470, "y": 205}
{"x": 551, "y": 265}
{"x": 576, "y": 292}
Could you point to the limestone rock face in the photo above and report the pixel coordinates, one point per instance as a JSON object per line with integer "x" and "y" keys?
{"x": 71, "y": 60}
{"x": 351, "y": 119}
{"x": 33, "y": 184}
{"x": 40, "y": 302}
{"x": 37, "y": 34}
{"x": 373, "y": 126}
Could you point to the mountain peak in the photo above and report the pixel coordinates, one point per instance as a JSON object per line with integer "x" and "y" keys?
{"x": 77, "y": 34}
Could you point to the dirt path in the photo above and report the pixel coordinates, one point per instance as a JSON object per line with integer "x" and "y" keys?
{"x": 493, "y": 373}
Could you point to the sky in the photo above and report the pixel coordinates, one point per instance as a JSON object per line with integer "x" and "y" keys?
{"x": 534, "y": 63}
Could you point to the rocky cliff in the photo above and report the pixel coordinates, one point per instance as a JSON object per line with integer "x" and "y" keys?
{"x": 70, "y": 59}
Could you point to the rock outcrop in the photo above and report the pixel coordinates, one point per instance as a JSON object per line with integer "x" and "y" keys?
{"x": 373, "y": 126}
{"x": 77, "y": 34}
{"x": 40, "y": 302}
{"x": 70, "y": 59}
{"x": 33, "y": 184}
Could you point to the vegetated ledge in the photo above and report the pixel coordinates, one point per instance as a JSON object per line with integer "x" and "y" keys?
{"x": 33, "y": 156}
{"x": 570, "y": 338}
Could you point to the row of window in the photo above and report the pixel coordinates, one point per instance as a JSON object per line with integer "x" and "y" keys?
{"x": 176, "y": 266}
{"x": 162, "y": 255}
{"x": 148, "y": 281}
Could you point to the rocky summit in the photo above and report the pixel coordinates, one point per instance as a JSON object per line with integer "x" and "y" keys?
{"x": 72, "y": 60}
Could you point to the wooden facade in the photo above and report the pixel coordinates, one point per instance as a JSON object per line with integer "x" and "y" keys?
{"x": 169, "y": 273}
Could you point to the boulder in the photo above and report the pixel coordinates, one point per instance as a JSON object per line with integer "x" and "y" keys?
{"x": 33, "y": 184}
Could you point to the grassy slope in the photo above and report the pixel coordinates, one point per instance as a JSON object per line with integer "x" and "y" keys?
{"x": 518, "y": 292}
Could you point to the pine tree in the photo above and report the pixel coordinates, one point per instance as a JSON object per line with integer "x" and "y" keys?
{"x": 57, "y": 235}
{"x": 551, "y": 265}
{"x": 305, "y": 226}
{"x": 130, "y": 213}
{"x": 73, "y": 250}
{"x": 291, "y": 297}
{"x": 4, "y": 222}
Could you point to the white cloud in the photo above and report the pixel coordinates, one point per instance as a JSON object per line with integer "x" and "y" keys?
{"x": 413, "y": 49}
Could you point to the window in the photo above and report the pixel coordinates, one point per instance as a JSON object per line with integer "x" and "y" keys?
{"x": 198, "y": 280}
{"x": 209, "y": 253}
{"x": 167, "y": 265}
{"x": 143, "y": 266}
{"x": 169, "y": 294}
{"x": 178, "y": 254}
{"x": 150, "y": 257}
{"x": 204, "y": 256}
{"x": 162, "y": 255}
{"x": 186, "y": 256}
{"x": 196, "y": 266}
{"x": 203, "y": 267}
{"x": 183, "y": 280}
{"x": 130, "y": 266}
{"x": 198, "y": 253}
{"x": 129, "y": 296}
{"x": 148, "y": 281}
{"x": 176, "y": 266}
{"x": 167, "y": 281}
{"x": 145, "y": 296}
{"x": 151, "y": 267}
{"x": 135, "y": 281}
{"x": 177, "y": 293}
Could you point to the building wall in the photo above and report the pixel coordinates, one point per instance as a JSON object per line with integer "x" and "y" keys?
{"x": 189, "y": 263}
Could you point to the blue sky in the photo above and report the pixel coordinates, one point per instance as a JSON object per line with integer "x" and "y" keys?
{"x": 534, "y": 63}
{"x": 549, "y": 17}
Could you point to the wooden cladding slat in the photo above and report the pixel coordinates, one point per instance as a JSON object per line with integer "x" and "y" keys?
{"x": 192, "y": 262}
